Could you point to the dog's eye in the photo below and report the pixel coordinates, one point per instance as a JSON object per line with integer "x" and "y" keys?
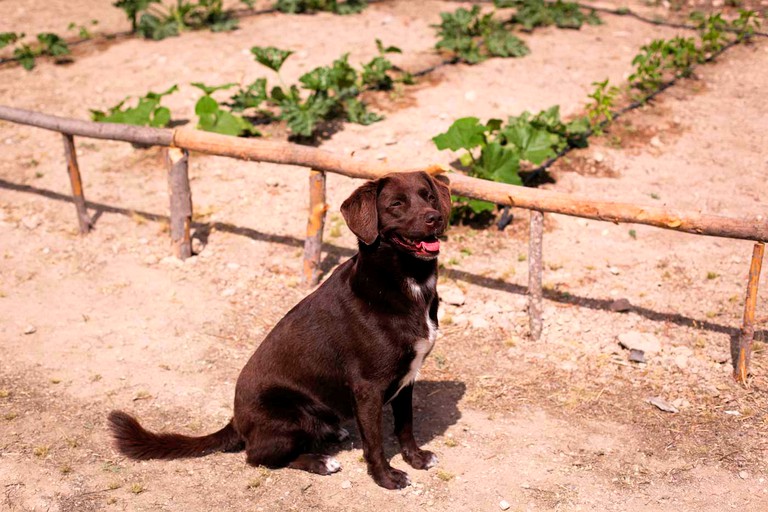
{"x": 431, "y": 198}
{"x": 395, "y": 203}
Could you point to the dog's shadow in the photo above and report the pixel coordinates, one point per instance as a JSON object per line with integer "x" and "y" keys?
{"x": 435, "y": 409}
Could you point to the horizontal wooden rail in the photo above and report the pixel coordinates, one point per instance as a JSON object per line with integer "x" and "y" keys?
{"x": 124, "y": 132}
{"x": 754, "y": 227}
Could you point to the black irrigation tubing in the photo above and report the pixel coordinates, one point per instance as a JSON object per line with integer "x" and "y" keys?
{"x": 653, "y": 21}
{"x": 537, "y": 172}
{"x": 238, "y": 13}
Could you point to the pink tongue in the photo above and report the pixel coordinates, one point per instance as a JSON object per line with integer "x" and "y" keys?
{"x": 430, "y": 246}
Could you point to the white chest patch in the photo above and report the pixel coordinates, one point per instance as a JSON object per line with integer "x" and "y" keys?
{"x": 417, "y": 290}
{"x": 422, "y": 348}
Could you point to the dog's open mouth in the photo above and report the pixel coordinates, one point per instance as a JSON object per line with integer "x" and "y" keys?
{"x": 429, "y": 246}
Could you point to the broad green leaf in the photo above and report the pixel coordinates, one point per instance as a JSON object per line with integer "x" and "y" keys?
{"x": 161, "y": 117}
{"x": 206, "y": 105}
{"x": 465, "y": 133}
{"x": 532, "y": 144}
{"x": 498, "y": 163}
{"x": 271, "y": 57}
{"x": 478, "y": 206}
{"x": 358, "y": 113}
{"x": 7, "y": 38}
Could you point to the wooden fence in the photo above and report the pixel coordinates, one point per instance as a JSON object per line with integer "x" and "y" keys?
{"x": 181, "y": 141}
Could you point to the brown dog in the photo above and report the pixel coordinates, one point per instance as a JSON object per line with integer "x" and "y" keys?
{"x": 352, "y": 346}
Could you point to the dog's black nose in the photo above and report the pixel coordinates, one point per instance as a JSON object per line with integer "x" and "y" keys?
{"x": 433, "y": 218}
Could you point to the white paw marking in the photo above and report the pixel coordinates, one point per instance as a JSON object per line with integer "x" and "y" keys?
{"x": 332, "y": 465}
{"x": 342, "y": 434}
{"x": 432, "y": 462}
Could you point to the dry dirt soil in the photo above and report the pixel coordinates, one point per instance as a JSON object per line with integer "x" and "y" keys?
{"x": 89, "y": 324}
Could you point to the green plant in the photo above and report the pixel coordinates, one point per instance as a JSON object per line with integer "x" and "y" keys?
{"x": 7, "y": 38}
{"x": 746, "y": 24}
{"x": 539, "y": 13}
{"x": 82, "y": 30}
{"x": 159, "y": 23}
{"x": 375, "y": 74}
{"x": 712, "y": 31}
{"x": 600, "y": 110}
{"x": 332, "y": 91}
{"x": 212, "y": 118}
{"x": 311, "y": 6}
{"x": 473, "y": 37}
{"x": 132, "y": 9}
{"x": 147, "y": 112}
{"x": 48, "y": 43}
{"x": 677, "y": 55}
{"x": 494, "y": 151}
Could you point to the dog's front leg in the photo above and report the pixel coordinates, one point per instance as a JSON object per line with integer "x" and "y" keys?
{"x": 368, "y": 402}
{"x": 402, "y": 410}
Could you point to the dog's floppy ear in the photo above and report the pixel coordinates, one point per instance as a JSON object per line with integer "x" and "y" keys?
{"x": 443, "y": 196}
{"x": 360, "y": 213}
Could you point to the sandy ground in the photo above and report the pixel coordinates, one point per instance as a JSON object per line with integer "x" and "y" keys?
{"x": 561, "y": 424}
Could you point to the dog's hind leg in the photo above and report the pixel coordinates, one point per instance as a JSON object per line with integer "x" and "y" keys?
{"x": 287, "y": 450}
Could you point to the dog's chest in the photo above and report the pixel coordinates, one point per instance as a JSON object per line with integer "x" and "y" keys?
{"x": 422, "y": 345}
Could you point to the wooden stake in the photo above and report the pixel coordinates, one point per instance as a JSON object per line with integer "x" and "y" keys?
{"x": 77, "y": 184}
{"x": 181, "y": 202}
{"x": 315, "y": 224}
{"x": 748, "y": 328}
{"x": 535, "y": 243}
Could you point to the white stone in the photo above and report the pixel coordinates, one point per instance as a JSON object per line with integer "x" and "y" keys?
{"x": 639, "y": 341}
{"x": 504, "y": 505}
{"x": 452, "y": 295}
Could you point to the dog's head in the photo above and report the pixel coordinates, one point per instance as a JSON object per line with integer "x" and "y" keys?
{"x": 408, "y": 210}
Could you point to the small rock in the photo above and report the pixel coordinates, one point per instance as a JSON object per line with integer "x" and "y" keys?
{"x": 661, "y": 404}
{"x": 470, "y": 96}
{"x": 614, "y": 270}
{"x": 381, "y": 156}
{"x": 452, "y": 295}
{"x": 681, "y": 361}
{"x": 272, "y": 182}
{"x": 171, "y": 260}
{"x": 743, "y": 475}
{"x": 598, "y": 157}
{"x": 346, "y": 484}
{"x": 478, "y": 322}
{"x": 636, "y": 356}
{"x": 228, "y": 292}
{"x": 656, "y": 141}
{"x": 233, "y": 266}
{"x": 639, "y": 341}
{"x": 30, "y": 329}
{"x": 504, "y": 505}
{"x": 390, "y": 142}
{"x": 31, "y": 222}
{"x": 620, "y": 306}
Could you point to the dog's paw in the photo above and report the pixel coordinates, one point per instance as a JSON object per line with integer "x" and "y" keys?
{"x": 392, "y": 478}
{"x": 421, "y": 459}
{"x": 332, "y": 465}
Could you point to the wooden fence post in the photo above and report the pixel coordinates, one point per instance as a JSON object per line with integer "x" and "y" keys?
{"x": 748, "y": 328}
{"x": 181, "y": 202}
{"x": 75, "y": 180}
{"x": 535, "y": 242}
{"x": 315, "y": 224}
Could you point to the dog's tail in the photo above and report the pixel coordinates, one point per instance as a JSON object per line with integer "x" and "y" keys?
{"x": 134, "y": 441}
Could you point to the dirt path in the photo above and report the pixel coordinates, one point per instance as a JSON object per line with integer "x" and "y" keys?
{"x": 562, "y": 424}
